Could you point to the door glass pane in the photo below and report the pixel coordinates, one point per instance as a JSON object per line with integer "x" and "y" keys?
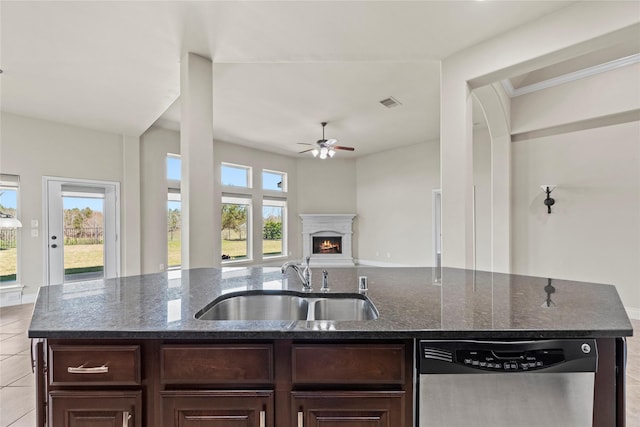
{"x": 8, "y": 236}
{"x": 83, "y": 222}
{"x": 174, "y": 239}
{"x": 272, "y": 230}
{"x": 234, "y": 231}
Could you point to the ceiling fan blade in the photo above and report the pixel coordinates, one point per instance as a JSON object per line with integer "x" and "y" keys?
{"x": 306, "y": 151}
{"x": 304, "y": 143}
{"x": 342, "y": 147}
{"x": 330, "y": 141}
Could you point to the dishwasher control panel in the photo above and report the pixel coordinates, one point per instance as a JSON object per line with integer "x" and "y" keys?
{"x": 507, "y": 356}
{"x": 510, "y": 360}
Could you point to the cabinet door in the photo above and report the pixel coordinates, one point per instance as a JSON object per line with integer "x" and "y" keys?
{"x": 217, "y": 408}
{"x": 95, "y": 408}
{"x": 348, "y": 409}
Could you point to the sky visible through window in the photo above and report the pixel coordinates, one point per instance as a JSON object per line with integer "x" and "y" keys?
{"x": 95, "y": 204}
{"x": 8, "y": 198}
{"x": 235, "y": 176}
{"x": 270, "y": 181}
{"x": 173, "y": 168}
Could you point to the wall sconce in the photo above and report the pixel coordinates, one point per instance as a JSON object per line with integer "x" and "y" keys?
{"x": 548, "y": 201}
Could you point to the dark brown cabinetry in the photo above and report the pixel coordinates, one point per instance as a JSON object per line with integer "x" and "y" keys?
{"x": 349, "y": 408}
{"x": 91, "y": 385}
{"x": 278, "y": 383}
{"x": 351, "y": 385}
{"x": 95, "y": 408}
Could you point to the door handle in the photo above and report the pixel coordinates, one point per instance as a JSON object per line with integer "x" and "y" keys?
{"x": 300, "y": 419}
{"x": 126, "y": 416}
{"x": 263, "y": 419}
{"x": 54, "y": 246}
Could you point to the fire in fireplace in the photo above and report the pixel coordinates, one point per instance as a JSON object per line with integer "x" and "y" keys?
{"x": 327, "y": 245}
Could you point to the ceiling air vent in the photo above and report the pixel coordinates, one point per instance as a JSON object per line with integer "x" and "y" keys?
{"x": 390, "y": 102}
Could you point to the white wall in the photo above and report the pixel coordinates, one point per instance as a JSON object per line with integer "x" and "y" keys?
{"x": 155, "y": 144}
{"x": 603, "y": 94}
{"x": 482, "y": 199}
{"x": 33, "y": 148}
{"x": 593, "y": 232}
{"x": 394, "y": 190}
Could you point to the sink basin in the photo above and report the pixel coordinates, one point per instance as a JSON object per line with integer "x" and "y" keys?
{"x": 257, "y": 307}
{"x": 344, "y": 309}
{"x": 289, "y": 306}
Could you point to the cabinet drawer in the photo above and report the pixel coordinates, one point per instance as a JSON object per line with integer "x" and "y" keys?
{"x": 348, "y": 364}
{"x": 217, "y": 364}
{"x": 94, "y": 365}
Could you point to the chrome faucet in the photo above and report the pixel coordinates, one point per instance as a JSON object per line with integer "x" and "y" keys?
{"x": 304, "y": 273}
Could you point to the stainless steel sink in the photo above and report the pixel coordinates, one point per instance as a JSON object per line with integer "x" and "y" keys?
{"x": 348, "y": 308}
{"x": 257, "y": 307}
{"x": 289, "y": 306}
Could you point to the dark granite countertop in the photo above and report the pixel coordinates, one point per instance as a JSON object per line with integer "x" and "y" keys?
{"x": 463, "y": 304}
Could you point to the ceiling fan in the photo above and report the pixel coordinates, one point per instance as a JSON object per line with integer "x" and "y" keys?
{"x": 325, "y": 147}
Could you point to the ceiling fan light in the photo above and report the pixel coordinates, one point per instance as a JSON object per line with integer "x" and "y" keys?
{"x": 315, "y": 152}
{"x": 332, "y": 152}
{"x": 323, "y": 153}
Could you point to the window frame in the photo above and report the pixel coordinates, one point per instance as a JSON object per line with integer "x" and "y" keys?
{"x": 245, "y": 200}
{"x": 281, "y": 203}
{"x": 249, "y": 175}
{"x": 12, "y": 182}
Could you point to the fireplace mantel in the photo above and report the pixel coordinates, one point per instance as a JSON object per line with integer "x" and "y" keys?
{"x": 328, "y": 225}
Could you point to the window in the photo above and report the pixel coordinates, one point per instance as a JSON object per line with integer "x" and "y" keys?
{"x": 174, "y": 167}
{"x": 235, "y": 175}
{"x": 174, "y": 229}
{"x": 236, "y": 228}
{"x": 9, "y": 234}
{"x": 273, "y": 227}
{"x": 272, "y": 180}
{"x": 174, "y": 212}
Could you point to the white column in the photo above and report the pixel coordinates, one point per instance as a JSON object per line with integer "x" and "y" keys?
{"x": 456, "y": 169}
{"x": 130, "y": 229}
{"x": 200, "y": 240}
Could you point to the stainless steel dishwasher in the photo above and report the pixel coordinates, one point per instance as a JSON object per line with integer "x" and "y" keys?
{"x": 547, "y": 383}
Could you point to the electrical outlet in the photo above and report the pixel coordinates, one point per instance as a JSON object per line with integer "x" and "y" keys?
{"x": 377, "y": 253}
{"x": 388, "y": 254}
{"x": 34, "y": 223}
{"x": 34, "y": 232}
{"x": 161, "y": 267}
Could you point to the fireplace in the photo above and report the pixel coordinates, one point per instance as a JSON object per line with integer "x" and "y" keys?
{"x": 327, "y": 245}
{"x": 326, "y": 239}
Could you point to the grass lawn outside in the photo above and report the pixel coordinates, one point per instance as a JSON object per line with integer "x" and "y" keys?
{"x": 8, "y": 262}
{"x": 82, "y": 256}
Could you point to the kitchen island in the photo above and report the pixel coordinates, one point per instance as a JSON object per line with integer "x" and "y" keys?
{"x": 163, "y": 358}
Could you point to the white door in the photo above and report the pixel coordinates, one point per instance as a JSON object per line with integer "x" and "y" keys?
{"x": 82, "y": 220}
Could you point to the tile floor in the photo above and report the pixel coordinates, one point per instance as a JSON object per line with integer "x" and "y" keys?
{"x": 17, "y": 389}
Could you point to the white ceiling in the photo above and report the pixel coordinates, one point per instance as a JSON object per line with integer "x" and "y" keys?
{"x": 280, "y": 67}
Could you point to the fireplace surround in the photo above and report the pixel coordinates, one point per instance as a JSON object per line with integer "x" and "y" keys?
{"x": 326, "y": 239}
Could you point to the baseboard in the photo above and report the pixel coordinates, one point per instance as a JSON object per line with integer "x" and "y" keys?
{"x": 633, "y": 313}
{"x": 29, "y": 298}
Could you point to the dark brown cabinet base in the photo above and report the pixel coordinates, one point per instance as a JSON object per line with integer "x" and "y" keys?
{"x": 281, "y": 383}
{"x": 349, "y": 409}
{"x": 95, "y": 408}
{"x": 217, "y": 408}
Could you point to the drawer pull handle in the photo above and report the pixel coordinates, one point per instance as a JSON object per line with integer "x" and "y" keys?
{"x": 82, "y": 370}
{"x": 300, "y": 419}
{"x": 263, "y": 420}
